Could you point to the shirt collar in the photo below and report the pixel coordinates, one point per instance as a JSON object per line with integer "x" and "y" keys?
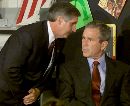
{"x": 51, "y": 34}
{"x": 101, "y": 60}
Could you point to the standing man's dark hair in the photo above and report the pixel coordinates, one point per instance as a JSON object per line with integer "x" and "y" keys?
{"x": 24, "y": 59}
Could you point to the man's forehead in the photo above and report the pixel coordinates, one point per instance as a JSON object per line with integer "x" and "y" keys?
{"x": 91, "y": 32}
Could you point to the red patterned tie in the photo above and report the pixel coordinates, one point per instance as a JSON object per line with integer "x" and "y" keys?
{"x": 96, "y": 81}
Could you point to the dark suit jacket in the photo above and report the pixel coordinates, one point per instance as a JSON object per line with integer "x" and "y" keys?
{"x": 23, "y": 60}
{"x": 75, "y": 83}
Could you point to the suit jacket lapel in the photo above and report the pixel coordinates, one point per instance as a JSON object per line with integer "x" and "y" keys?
{"x": 84, "y": 73}
{"x": 109, "y": 78}
{"x": 84, "y": 70}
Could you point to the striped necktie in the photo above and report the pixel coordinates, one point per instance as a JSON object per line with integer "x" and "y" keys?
{"x": 96, "y": 81}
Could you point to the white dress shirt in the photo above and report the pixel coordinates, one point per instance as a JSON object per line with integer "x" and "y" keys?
{"x": 51, "y": 34}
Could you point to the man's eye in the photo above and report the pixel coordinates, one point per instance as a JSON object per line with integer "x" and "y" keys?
{"x": 89, "y": 39}
{"x": 83, "y": 37}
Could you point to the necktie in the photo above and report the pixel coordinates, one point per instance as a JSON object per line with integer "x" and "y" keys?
{"x": 96, "y": 80}
{"x": 50, "y": 49}
{"x": 51, "y": 54}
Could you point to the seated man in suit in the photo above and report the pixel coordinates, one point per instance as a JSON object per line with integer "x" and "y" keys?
{"x": 92, "y": 78}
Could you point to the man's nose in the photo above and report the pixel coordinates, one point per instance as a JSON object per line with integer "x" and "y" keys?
{"x": 84, "y": 42}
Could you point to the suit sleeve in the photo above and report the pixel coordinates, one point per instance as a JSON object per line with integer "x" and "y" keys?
{"x": 66, "y": 88}
{"x": 125, "y": 89}
{"x": 14, "y": 55}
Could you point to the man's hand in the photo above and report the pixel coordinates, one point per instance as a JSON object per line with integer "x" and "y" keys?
{"x": 32, "y": 96}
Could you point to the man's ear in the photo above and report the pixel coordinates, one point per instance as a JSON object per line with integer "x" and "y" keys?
{"x": 104, "y": 45}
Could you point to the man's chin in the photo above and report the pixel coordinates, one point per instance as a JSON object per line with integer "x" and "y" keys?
{"x": 85, "y": 55}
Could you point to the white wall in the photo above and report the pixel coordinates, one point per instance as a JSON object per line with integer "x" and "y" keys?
{"x": 3, "y": 39}
{"x": 10, "y": 3}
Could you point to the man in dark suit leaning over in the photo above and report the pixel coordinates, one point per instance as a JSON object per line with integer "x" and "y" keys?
{"x": 24, "y": 57}
{"x": 92, "y": 78}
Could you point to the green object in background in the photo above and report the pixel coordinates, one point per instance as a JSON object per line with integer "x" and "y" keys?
{"x": 83, "y": 7}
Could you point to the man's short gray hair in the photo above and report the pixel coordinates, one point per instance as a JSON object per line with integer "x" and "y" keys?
{"x": 105, "y": 30}
{"x": 67, "y": 10}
